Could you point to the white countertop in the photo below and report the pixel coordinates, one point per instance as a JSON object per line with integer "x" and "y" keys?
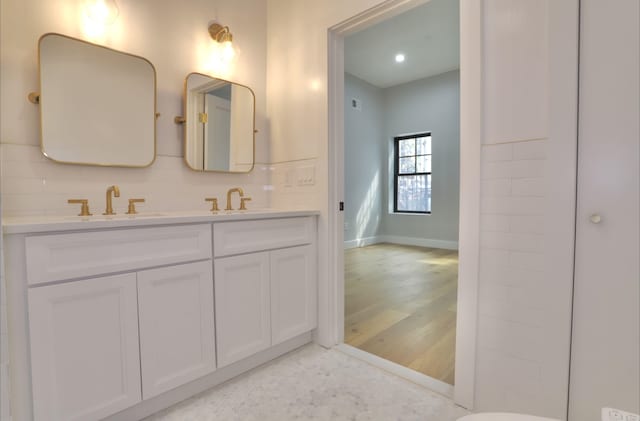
{"x": 33, "y": 224}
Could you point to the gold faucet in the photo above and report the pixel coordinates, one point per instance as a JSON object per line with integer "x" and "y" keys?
{"x": 235, "y": 189}
{"x": 116, "y": 193}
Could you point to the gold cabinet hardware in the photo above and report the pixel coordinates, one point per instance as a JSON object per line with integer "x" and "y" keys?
{"x": 132, "y": 206}
{"x": 203, "y": 117}
{"x": 116, "y": 193}
{"x": 157, "y": 116}
{"x": 179, "y": 119}
{"x": 233, "y": 190}
{"x": 243, "y": 201}
{"x": 34, "y": 97}
{"x": 84, "y": 209}
{"x": 214, "y": 203}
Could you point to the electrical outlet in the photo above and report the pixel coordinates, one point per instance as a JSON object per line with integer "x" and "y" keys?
{"x": 346, "y": 226}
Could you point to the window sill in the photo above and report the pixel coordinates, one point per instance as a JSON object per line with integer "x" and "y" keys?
{"x": 409, "y": 213}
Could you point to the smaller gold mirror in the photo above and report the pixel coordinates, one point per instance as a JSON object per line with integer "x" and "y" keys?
{"x": 219, "y": 125}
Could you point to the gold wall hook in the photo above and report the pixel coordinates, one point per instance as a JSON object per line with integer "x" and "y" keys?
{"x": 34, "y": 97}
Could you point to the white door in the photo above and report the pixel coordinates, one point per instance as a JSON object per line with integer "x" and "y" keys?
{"x": 217, "y": 133}
{"x": 243, "y": 323}
{"x": 293, "y": 292}
{"x": 605, "y": 367}
{"x": 176, "y": 325}
{"x": 84, "y": 348}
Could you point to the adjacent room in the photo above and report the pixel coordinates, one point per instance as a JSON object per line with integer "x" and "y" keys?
{"x": 402, "y": 145}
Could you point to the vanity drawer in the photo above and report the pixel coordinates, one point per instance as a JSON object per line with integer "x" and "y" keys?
{"x": 56, "y": 257}
{"x": 249, "y": 236}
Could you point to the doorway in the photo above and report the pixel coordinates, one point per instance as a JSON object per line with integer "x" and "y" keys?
{"x": 401, "y": 149}
{"x": 465, "y": 324}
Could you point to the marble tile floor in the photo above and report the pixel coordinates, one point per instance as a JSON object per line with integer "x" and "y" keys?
{"x": 313, "y": 383}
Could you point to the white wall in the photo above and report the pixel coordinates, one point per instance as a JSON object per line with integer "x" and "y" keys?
{"x": 431, "y": 104}
{"x": 365, "y": 152}
{"x": 427, "y": 105}
{"x": 174, "y": 37}
{"x": 529, "y": 109}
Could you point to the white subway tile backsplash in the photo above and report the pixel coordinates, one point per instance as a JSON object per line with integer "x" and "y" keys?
{"x": 527, "y": 168}
{"x": 496, "y": 187}
{"x": 33, "y": 185}
{"x": 500, "y": 152}
{"x": 533, "y": 224}
{"x": 500, "y": 223}
{"x": 500, "y": 169}
{"x": 536, "y": 149}
{"x": 528, "y": 187}
{"x": 526, "y": 260}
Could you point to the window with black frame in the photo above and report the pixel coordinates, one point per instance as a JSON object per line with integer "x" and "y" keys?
{"x": 412, "y": 174}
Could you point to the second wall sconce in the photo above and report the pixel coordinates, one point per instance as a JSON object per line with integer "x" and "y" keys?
{"x": 223, "y": 36}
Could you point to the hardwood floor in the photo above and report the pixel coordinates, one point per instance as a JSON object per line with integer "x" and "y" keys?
{"x": 400, "y": 304}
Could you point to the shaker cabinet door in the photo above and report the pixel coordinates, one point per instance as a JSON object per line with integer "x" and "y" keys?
{"x": 84, "y": 348}
{"x": 243, "y": 324}
{"x": 176, "y": 325}
{"x": 293, "y": 292}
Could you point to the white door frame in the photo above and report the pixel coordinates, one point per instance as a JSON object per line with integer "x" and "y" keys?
{"x": 470, "y": 151}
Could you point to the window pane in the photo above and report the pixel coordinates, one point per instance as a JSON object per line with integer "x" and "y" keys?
{"x": 407, "y": 165}
{"x": 424, "y": 163}
{"x": 407, "y": 147}
{"x": 423, "y": 145}
{"x": 414, "y": 193}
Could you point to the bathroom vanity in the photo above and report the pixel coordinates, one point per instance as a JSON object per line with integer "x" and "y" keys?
{"x": 121, "y": 317}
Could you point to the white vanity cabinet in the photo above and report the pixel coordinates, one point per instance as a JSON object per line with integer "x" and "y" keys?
{"x": 102, "y": 344}
{"x": 266, "y": 291}
{"x": 177, "y": 341}
{"x": 119, "y": 319}
{"x": 84, "y": 348}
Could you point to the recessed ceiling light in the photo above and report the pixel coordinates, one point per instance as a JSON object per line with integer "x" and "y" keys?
{"x": 399, "y": 58}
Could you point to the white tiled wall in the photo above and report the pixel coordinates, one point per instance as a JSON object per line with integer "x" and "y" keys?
{"x": 34, "y": 185}
{"x": 511, "y": 328}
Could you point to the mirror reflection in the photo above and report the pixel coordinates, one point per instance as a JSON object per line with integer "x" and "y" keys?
{"x": 219, "y": 125}
{"x": 97, "y": 105}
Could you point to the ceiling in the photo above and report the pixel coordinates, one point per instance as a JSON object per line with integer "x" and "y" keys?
{"x": 428, "y": 36}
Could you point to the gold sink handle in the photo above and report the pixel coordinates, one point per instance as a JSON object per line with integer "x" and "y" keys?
{"x": 243, "y": 201}
{"x": 84, "y": 209}
{"x": 132, "y": 206}
{"x": 214, "y": 203}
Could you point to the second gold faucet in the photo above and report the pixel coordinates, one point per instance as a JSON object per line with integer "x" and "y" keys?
{"x": 243, "y": 199}
{"x": 116, "y": 193}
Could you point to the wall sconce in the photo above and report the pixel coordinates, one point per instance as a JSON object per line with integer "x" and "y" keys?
{"x": 223, "y": 36}
{"x": 101, "y": 12}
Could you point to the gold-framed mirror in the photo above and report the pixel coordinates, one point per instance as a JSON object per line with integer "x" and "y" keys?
{"x": 97, "y": 104}
{"x": 219, "y": 125}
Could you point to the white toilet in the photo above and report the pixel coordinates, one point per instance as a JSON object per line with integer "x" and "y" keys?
{"x": 502, "y": 416}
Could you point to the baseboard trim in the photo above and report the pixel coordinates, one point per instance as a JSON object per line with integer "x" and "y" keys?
{"x": 361, "y": 242}
{"x": 413, "y": 376}
{"x": 406, "y": 241}
{"x": 422, "y": 242}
